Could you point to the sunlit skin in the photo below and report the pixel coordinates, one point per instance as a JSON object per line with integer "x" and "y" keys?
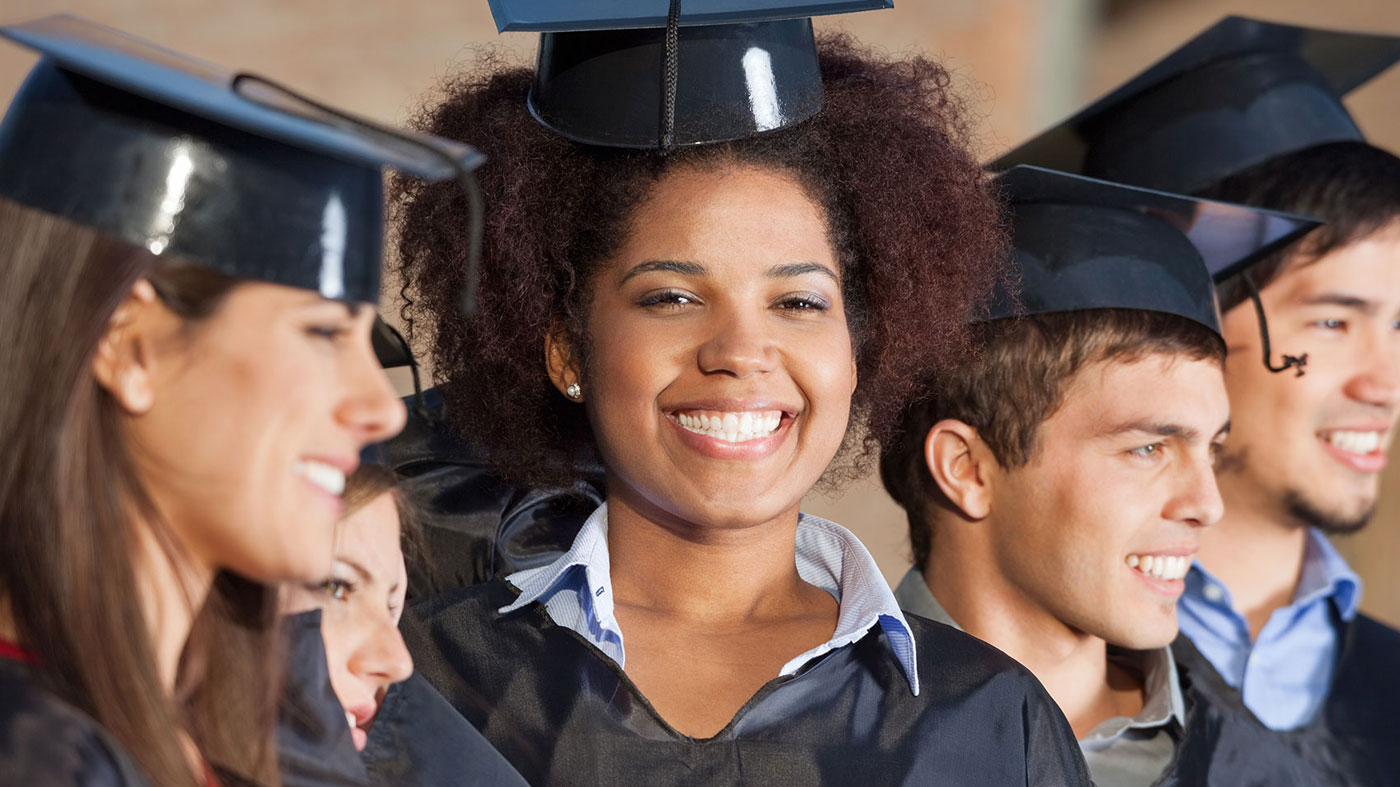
{"x": 1035, "y": 559}
{"x": 219, "y": 414}
{"x": 361, "y": 604}
{"x": 726, "y": 296}
{"x": 1342, "y": 311}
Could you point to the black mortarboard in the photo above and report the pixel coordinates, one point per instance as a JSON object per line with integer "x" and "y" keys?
{"x": 650, "y": 74}
{"x": 1081, "y": 243}
{"x": 218, "y": 169}
{"x": 1240, "y": 93}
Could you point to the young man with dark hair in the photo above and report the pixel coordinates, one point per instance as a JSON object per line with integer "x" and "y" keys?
{"x": 1251, "y": 112}
{"x": 1058, "y": 487}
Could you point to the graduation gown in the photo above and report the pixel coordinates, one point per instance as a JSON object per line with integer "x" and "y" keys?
{"x": 314, "y": 748}
{"x": 1353, "y": 739}
{"x": 478, "y": 525}
{"x": 46, "y": 741}
{"x": 563, "y": 714}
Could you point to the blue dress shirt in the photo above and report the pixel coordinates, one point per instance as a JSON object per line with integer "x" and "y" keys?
{"x": 1284, "y": 675}
{"x": 576, "y": 591}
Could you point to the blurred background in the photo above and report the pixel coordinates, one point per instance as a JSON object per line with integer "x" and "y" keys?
{"x": 1024, "y": 64}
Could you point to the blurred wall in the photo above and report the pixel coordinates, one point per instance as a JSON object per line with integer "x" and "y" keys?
{"x": 1024, "y": 64}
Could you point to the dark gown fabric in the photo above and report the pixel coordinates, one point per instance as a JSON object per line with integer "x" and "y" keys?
{"x": 314, "y": 748}
{"x": 563, "y": 714}
{"x": 1354, "y": 740}
{"x": 45, "y": 741}
{"x": 478, "y": 525}
{"x": 419, "y": 739}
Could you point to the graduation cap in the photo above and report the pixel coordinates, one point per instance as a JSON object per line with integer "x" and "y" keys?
{"x": 648, "y": 74}
{"x": 1242, "y": 92}
{"x": 1081, "y": 243}
{"x": 220, "y": 169}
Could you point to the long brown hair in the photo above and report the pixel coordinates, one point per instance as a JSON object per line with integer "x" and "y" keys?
{"x": 71, "y": 502}
{"x": 366, "y": 484}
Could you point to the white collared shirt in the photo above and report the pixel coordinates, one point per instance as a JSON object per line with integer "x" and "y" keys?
{"x": 576, "y": 591}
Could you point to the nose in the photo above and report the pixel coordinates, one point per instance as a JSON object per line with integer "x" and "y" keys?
{"x": 1197, "y": 501}
{"x": 382, "y": 658}
{"x": 739, "y": 345}
{"x": 370, "y": 406}
{"x": 1377, "y": 380}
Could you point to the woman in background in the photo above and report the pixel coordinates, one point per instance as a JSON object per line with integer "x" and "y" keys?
{"x": 362, "y": 599}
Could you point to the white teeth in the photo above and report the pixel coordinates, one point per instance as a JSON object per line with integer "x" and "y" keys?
{"x": 1160, "y": 566}
{"x": 328, "y": 477}
{"x": 734, "y": 427}
{"x": 1354, "y": 442}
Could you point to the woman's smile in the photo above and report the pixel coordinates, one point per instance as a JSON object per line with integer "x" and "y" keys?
{"x": 733, "y": 432}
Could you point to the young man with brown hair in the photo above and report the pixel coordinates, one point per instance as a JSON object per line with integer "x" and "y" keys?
{"x": 1058, "y": 488}
{"x": 1251, "y": 112}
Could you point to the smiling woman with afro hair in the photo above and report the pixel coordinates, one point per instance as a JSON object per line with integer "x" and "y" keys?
{"x": 909, "y": 211}
{"x": 714, "y": 326}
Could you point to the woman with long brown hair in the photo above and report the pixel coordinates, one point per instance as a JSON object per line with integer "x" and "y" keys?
{"x": 184, "y": 271}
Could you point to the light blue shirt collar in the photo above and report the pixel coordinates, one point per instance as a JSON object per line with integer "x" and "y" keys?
{"x": 1325, "y": 574}
{"x": 576, "y": 591}
{"x": 1285, "y": 672}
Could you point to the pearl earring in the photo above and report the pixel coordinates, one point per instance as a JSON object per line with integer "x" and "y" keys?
{"x": 574, "y": 391}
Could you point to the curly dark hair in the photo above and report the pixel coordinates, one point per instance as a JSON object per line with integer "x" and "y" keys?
{"x": 913, "y": 221}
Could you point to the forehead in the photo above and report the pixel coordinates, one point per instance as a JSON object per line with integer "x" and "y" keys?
{"x": 1368, "y": 268}
{"x": 1158, "y": 388}
{"x": 728, "y": 216}
{"x": 370, "y": 537}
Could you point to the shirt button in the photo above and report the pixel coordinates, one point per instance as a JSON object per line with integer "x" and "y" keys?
{"x": 1214, "y": 593}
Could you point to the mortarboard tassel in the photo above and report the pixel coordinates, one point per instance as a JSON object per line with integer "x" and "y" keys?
{"x": 1289, "y": 361}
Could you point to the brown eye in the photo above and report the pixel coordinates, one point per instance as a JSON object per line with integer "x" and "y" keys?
{"x": 337, "y": 589}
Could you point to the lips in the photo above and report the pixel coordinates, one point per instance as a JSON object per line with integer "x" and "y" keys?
{"x": 360, "y": 717}
{"x": 731, "y": 426}
{"x": 732, "y": 429}
{"x": 1360, "y": 449}
{"x": 1163, "y": 570}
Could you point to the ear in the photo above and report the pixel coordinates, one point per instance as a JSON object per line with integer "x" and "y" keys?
{"x": 561, "y": 359}
{"x": 958, "y": 460}
{"x": 124, "y": 362}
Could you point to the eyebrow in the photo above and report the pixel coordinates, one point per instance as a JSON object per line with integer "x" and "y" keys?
{"x": 1164, "y": 429}
{"x": 365, "y": 574}
{"x": 686, "y": 268}
{"x": 1339, "y": 299}
{"x": 666, "y": 266}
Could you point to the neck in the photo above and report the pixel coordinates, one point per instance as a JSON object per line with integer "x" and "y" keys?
{"x": 1071, "y": 665}
{"x": 703, "y": 573}
{"x": 173, "y": 588}
{"x": 1257, "y": 551}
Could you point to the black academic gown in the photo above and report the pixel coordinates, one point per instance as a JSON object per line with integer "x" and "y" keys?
{"x": 563, "y": 714}
{"x": 45, "y": 741}
{"x": 314, "y": 748}
{"x": 1354, "y": 740}
{"x": 479, "y": 526}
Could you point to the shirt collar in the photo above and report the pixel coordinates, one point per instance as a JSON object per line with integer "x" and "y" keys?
{"x": 1325, "y": 574}
{"x": 828, "y": 556}
{"x": 913, "y": 595}
{"x": 1163, "y": 700}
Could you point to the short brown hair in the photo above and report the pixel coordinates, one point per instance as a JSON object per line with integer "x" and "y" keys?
{"x": 1016, "y": 383}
